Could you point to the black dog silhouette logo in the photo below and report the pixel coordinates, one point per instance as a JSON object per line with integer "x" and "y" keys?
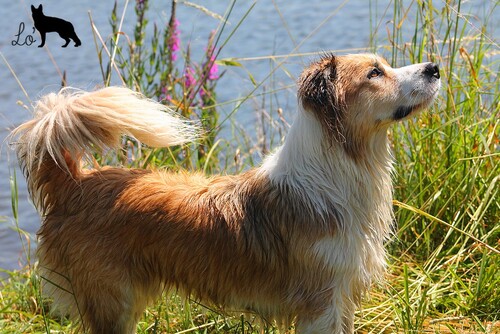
{"x": 45, "y": 24}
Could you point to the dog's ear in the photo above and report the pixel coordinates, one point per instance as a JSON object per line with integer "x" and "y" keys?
{"x": 318, "y": 94}
{"x": 39, "y": 9}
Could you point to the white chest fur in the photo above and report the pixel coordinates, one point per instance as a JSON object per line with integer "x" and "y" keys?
{"x": 358, "y": 194}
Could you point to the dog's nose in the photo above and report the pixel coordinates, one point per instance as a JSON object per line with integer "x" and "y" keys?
{"x": 432, "y": 70}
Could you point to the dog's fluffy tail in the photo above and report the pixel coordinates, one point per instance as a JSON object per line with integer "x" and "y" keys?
{"x": 70, "y": 124}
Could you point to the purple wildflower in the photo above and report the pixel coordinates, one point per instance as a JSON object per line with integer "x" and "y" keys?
{"x": 174, "y": 42}
{"x": 213, "y": 73}
{"x": 189, "y": 83}
{"x": 189, "y": 80}
{"x": 140, "y": 4}
{"x": 211, "y": 66}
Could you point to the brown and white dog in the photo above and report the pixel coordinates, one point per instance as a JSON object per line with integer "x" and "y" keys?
{"x": 299, "y": 238}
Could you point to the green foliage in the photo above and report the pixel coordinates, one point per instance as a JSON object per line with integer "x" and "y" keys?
{"x": 152, "y": 65}
{"x": 447, "y": 179}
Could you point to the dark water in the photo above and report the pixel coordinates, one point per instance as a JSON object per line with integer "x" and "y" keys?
{"x": 277, "y": 27}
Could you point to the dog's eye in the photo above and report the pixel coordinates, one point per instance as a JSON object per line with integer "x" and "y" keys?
{"x": 374, "y": 73}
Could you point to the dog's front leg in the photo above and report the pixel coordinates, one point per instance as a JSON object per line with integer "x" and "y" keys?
{"x": 42, "y": 35}
{"x": 329, "y": 321}
{"x": 337, "y": 318}
{"x": 348, "y": 321}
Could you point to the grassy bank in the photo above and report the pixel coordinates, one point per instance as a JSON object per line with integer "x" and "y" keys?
{"x": 444, "y": 261}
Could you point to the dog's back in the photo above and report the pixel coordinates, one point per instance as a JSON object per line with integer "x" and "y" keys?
{"x": 50, "y": 24}
{"x": 45, "y": 24}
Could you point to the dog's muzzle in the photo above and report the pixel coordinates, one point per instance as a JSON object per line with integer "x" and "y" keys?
{"x": 432, "y": 70}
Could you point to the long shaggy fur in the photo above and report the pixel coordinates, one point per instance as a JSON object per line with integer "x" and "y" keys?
{"x": 299, "y": 238}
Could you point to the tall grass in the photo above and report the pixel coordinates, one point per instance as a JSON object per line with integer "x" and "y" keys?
{"x": 443, "y": 272}
{"x": 445, "y": 258}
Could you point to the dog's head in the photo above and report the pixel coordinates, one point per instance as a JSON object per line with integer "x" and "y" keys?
{"x": 356, "y": 96}
{"x": 36, "y": 12}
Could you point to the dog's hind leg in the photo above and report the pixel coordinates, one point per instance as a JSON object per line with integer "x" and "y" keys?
{"x": 101, "y": 302}
{"x": 75, "y": 38}
{"x": 66, "y": 35}
{"x": 67, "y": 41}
